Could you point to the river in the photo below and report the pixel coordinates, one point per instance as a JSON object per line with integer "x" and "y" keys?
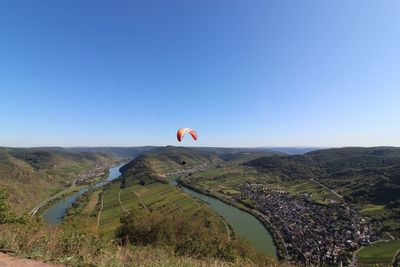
{"x": 56, "y": 212}
{"x": 243, "y": 223}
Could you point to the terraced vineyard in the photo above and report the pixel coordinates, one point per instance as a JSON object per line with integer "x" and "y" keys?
{"x": 141, "y": 200}
{"x": 379, "y": 254}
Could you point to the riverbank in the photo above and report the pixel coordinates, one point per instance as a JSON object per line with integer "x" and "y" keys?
{"x": 57, "y": 208}
{"x": 45, "y": 204}
{"x": 279, "y": 252}
{"x": 66, "y": 192}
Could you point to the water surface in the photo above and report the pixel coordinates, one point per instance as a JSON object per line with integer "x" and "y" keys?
{"x": 243, "y": 223}
{"x": 56, "y": 212}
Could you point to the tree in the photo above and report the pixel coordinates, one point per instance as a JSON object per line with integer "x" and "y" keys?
{"x": 5, "y": 211}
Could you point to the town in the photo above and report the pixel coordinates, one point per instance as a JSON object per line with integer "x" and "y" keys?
{"x": 312, "y": 233}
{"x": 97, "y": 171}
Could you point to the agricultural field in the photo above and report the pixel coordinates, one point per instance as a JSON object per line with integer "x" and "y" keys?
{"x": 379, "y": 254}
{"x": 310, "y": 189}
{"x": 225, "y": 179}
{"x": 141, "y": 200}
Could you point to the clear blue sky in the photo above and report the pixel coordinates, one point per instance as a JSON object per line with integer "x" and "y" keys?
{"x": 242, "y": 73}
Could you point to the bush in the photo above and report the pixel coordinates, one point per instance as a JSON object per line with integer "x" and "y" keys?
{"x": 75, "y": 243}
{"x": 5, "y": 212}
{"x": 189, "y": 235}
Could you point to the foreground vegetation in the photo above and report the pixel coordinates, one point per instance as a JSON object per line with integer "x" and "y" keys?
{"x": 77, "y": 244}
{"x": 185, "y": 234}
{"x": 154, "y": 240}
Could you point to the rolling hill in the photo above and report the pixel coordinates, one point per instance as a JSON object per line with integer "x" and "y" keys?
{"x": 32, "y": 174}
{"x": 368, "y": 177}
{"x": 159, "y": 162}
{"x": 371, "y": 174}
{"x": 125, "y": 152}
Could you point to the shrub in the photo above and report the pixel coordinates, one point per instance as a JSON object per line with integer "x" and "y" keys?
{"x": 189, "y": 235}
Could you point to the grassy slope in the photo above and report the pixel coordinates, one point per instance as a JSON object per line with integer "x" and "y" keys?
{"x": 76, "y": 244}
{"x": 157, "y": 197}
{"x": 379, "y": 253}
{"x": 31, "y": 175}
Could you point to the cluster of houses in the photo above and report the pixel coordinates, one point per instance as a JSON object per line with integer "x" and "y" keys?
{"x": 188, "y": 171}
{"x": 313, "y": 234}
{"x": 97, "y": 171}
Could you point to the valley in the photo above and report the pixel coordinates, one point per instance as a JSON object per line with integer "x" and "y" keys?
{"x": 299, "y": 208}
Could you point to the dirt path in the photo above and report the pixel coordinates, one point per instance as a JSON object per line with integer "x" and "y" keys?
{"x": 396, "y": 259}
{"x": 327, "y": 188}
{"x": 101, "y": 209}
{"x": 10, "y": 261}
{"x": 141, "y": 201}
{"x": 120, "y": 202}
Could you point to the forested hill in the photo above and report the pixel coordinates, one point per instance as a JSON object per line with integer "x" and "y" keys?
{"x": 155, "y": 164}
{"x": 30, "y": 175}
{"x": 125, "y": 152}
{"x": 363, "y": 174}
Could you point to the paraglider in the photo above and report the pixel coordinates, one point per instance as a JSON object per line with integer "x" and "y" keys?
{"x": 182, "y": 131}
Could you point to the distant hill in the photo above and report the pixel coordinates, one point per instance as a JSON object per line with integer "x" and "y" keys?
{"x": 154, "y": 164}
{"x": 32, "y": 174}
{"x": 293, "y": 150}
{"x": 239, "y": 155}
{"x": 370, "y": 174}
{"x": 126, "y": 152}
{"x": 235, "y": 150}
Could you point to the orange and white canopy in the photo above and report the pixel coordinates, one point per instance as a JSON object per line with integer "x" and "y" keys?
{"x": 182, "y": 131}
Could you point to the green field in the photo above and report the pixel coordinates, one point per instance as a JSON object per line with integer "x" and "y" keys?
{"x": 226, "y": 179}
{"x": 379, "y": 254}
{"x": 155, "y": 197}
{"x": 373, "y": 210}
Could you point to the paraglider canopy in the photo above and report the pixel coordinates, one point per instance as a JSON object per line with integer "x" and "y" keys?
{"x": 182, "y": 131}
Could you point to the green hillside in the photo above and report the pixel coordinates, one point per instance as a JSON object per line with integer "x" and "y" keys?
{"x": 159, "y": 162}
{"x": 155, "y": 164}
{"x": 345, "y": 169}
{"x": 125, "y": 152}
{"x": 369, "y": 177}
{"x": 32, "y": 175}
